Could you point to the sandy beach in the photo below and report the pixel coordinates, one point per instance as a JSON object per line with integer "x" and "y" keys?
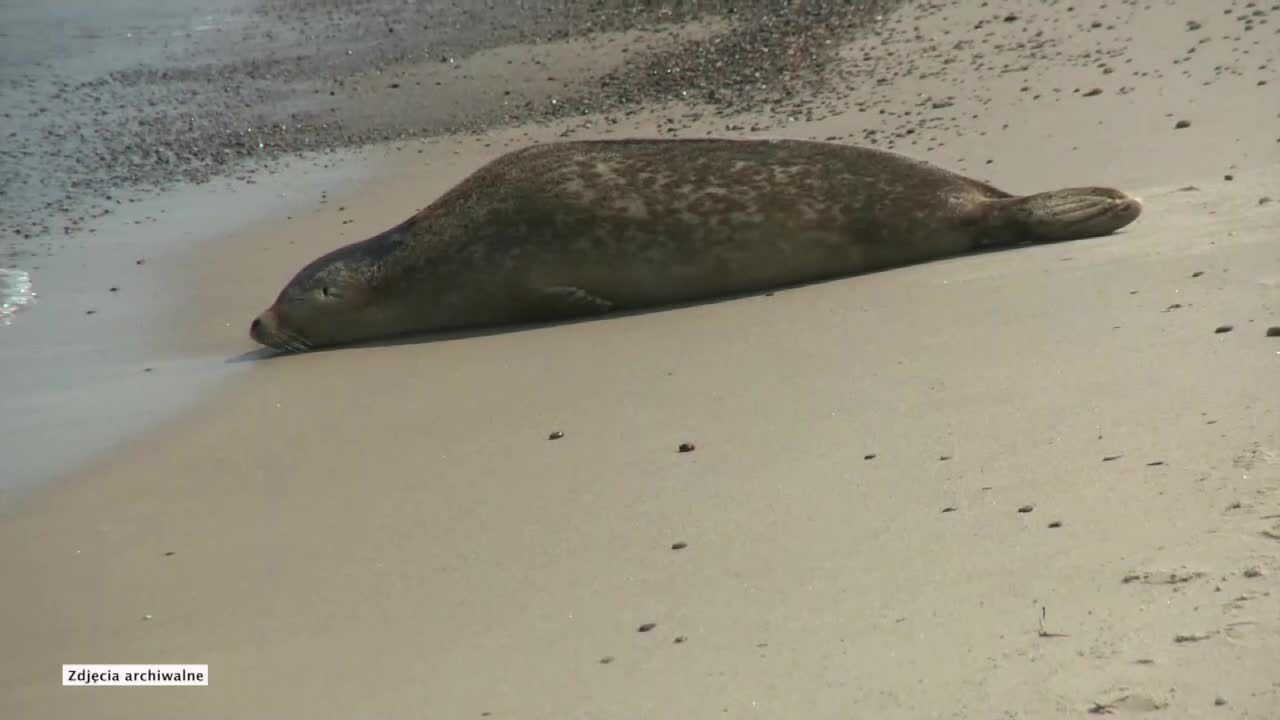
{"x": 1042, "y": 482}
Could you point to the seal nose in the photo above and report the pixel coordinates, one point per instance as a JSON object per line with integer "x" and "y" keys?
{"x": 260, "y": 328}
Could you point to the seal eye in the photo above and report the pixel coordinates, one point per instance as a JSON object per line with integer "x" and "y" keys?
{"x": 324, "y": 291}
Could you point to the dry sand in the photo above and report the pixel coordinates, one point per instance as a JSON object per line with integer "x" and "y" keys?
{"x": 1032, "y": 483}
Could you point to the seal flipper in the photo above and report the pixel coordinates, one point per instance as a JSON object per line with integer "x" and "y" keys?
{"x": 1068, "y": 214}
{"x": 569, "y": 301}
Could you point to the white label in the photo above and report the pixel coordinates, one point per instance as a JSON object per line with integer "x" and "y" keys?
{"x": 135, "y": 674}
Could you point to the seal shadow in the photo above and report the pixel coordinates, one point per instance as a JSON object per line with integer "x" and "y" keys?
{"x": 262, "y": 353}
{"x": 424, "y": 338}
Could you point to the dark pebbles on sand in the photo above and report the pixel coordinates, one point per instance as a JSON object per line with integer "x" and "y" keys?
{"x": 319, "y": 75}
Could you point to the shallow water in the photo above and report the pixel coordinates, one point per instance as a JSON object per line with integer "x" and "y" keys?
{"x": 16, "y": 292}
{"x": 83, "y": 39}
{"x": 47, "y": 50}
{"x": 100, "y": 97}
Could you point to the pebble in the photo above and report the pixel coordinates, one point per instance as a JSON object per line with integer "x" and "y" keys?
{"x": 686, "y": 447}
{"x": 1224, "y": 329}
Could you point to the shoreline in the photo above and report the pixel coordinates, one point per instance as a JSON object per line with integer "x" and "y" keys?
{"x": 134, "y": 97}
{"x": 1033, "y": 481}
{"x": 106, "y": 351}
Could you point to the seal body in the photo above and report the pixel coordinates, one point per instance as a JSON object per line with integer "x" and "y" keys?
{"x": 580, "y": 228}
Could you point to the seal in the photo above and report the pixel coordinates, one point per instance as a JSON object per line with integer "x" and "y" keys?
{"x": 573, "y": 229}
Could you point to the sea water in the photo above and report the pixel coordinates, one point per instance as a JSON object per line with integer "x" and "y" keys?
{"x": 16, "y": 292}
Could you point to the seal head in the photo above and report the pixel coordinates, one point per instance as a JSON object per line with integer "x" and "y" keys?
{"x": 333, "y": 300}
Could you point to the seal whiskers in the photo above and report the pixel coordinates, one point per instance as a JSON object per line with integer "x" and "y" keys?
{"x": 267, "y": 331}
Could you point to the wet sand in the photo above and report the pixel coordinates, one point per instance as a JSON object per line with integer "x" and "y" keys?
{"x": 1033, "y": 483}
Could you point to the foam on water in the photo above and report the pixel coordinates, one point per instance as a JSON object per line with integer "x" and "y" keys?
{"x": 16, "y": 291}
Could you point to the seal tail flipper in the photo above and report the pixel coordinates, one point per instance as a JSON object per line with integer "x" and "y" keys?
{"x": 1068, "y": 214}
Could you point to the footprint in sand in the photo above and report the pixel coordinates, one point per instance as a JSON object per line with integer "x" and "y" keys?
{"x": 1126, "y": 700}
{"x": 1255, "y": 455}
{"x": 1237, "y": 603}
{"x": 1177, "y": 576}
{"x": 1273, "y": 532}
{"x": 1245, "y": 633}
